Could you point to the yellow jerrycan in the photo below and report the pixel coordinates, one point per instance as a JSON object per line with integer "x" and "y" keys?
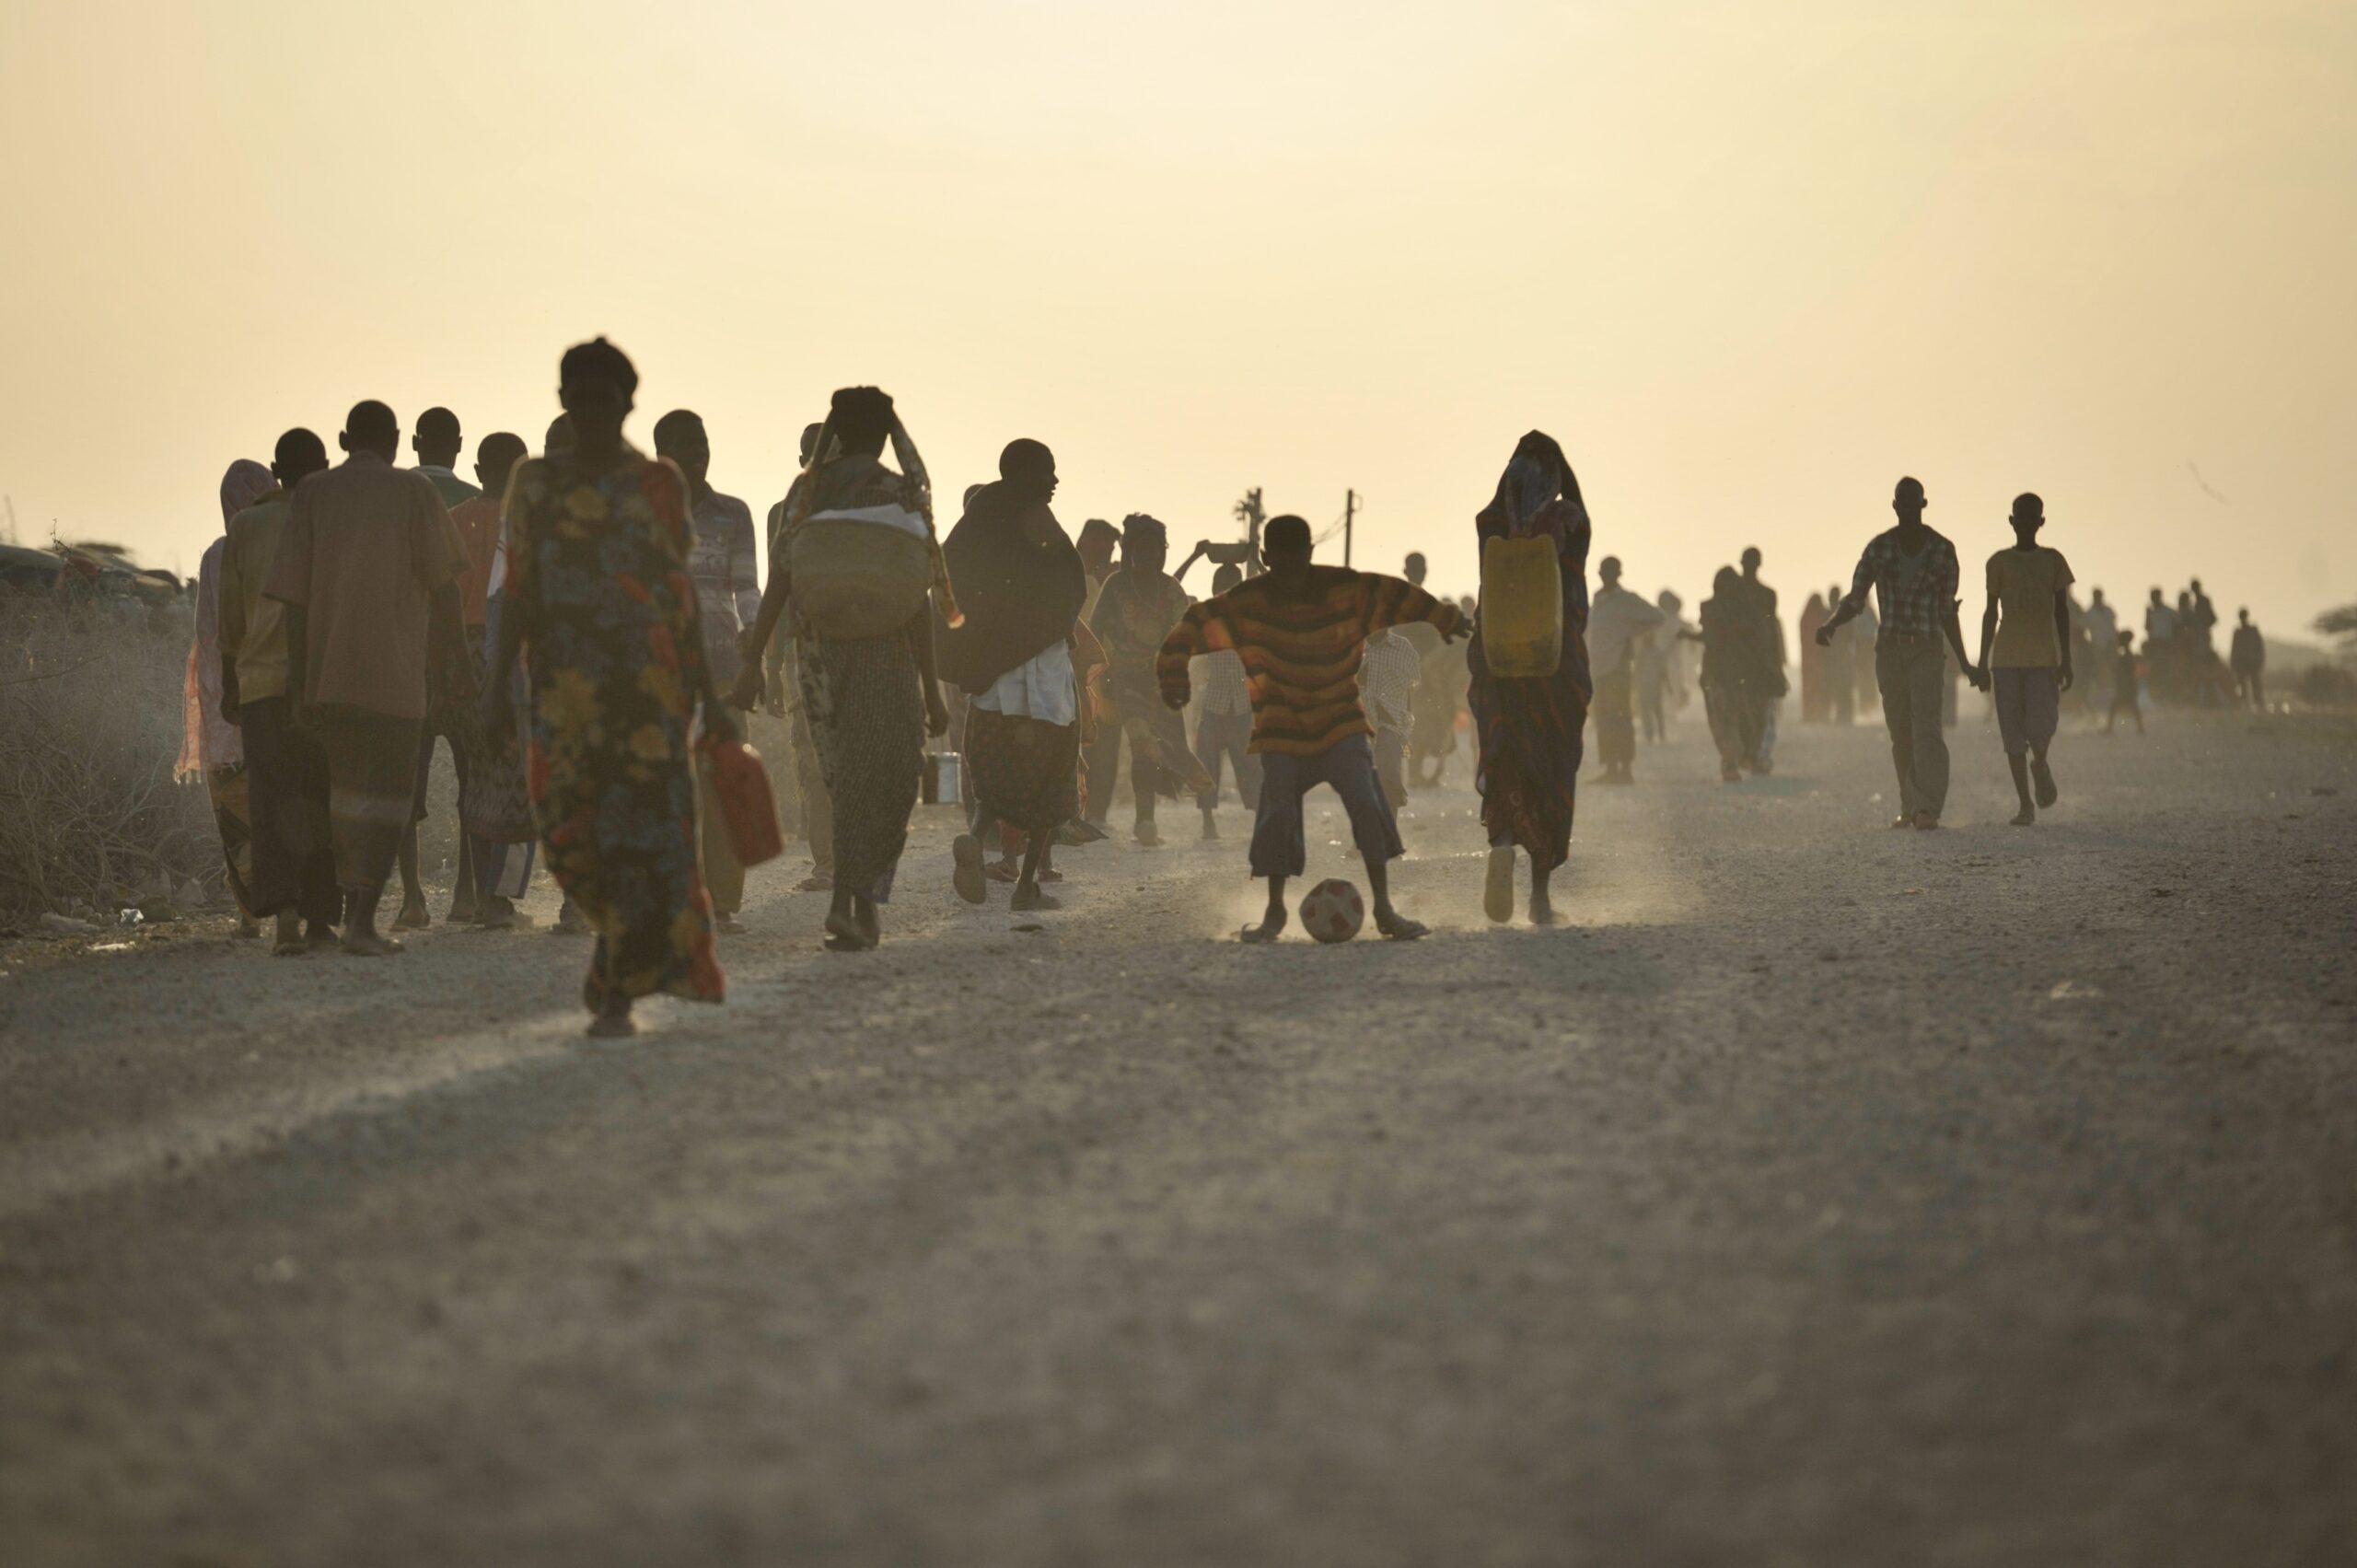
{"x": 1522, "y": 606}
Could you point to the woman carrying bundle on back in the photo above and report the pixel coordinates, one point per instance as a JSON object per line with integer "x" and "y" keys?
{"x": 859, "y": 560}
{"x": 1528, "y": 709}
{"x": 1022, "y": 585}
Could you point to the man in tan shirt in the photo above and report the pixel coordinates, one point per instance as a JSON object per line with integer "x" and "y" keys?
{"x": 368, "y": 570}
{"x": 294, "y": 865}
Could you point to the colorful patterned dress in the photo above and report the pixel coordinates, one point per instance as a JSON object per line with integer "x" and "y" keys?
{"x": 1529, "y": 730}
{"x": 598, "y": 566}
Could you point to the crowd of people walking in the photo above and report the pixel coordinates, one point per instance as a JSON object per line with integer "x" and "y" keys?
{"x": 584, "y": 629}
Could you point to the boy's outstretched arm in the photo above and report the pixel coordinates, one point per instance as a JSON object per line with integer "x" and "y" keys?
{"x": 1394, "y": 601}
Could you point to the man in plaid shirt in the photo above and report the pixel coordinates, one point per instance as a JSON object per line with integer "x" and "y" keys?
{"x": 1914, "y": 573}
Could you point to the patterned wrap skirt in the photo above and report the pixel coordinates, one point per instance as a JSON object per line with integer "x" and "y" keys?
{"x": 372, "y": 778}
{"x": 1025, "y": 770}
{"x": 867, "y": 717}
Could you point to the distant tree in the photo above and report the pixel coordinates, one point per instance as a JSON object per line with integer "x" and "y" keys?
{"x": 2341, "y": 623}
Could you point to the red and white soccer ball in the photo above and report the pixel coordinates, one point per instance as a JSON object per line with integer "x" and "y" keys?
{"x": 1332, "y": 911}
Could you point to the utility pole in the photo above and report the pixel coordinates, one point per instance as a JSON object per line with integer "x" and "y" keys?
{"x": 1248, "y": 512}
{"x": 1350, "y": 518}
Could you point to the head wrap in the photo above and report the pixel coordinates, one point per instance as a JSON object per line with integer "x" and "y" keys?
{"x": 245, "y": 482}
{"x": 1139, "y": 528}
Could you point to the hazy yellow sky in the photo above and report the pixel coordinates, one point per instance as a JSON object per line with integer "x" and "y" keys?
{"x": 1748, "y": 262}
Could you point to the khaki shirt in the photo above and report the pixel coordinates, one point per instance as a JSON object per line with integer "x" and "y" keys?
{"x": 366, "y": 547}
{"x": 2021, "y": 584}
{"x": 253, "y": 625}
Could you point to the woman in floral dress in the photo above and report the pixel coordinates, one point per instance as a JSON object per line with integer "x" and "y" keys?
{"x": 597, "y": 590}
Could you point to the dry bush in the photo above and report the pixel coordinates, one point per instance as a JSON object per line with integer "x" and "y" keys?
{"x": 90, "y": 706}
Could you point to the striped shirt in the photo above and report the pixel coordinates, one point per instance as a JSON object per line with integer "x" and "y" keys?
{"x": 1302, "y": 646}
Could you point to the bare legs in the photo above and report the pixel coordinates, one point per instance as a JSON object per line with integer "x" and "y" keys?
{"x": 361, "y": 938}
{"x": 2030, "y": 772}
{"x": 1387, "y": 919}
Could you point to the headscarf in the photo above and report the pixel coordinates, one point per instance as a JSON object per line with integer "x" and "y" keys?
{"x": 245, "y": 482}
{"x": 1144, "y": 530}
{"x": 1537, "y": 474}
{"x": 207, "y": 740}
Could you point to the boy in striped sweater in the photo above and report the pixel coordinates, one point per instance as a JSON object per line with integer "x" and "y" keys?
{"x": 1301, "y": 630}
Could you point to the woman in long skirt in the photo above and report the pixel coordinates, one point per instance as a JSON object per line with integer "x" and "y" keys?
{"x": 871, "y": 700}
{"x": 1529, "y": 728}
{"x": 1022, "y": 585}
{"x": 597, "y": 591}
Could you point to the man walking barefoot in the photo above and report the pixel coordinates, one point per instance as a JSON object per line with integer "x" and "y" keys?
{"x": 1302, "y": 631}
{"x": 1914, "y": 573}
{"x": 2026, "y": 648}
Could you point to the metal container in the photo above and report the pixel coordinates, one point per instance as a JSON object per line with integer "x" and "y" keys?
{"x": 943, "y": 776}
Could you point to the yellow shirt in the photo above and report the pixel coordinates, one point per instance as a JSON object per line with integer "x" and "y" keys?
{"x": 2021, "y": 584}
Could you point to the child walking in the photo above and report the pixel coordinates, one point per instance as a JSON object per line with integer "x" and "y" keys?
{"x": 2025, "y": 643}
{"x": 1301, "y": 630}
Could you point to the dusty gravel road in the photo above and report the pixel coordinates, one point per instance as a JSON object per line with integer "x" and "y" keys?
{"x": 1822, "y": 1195}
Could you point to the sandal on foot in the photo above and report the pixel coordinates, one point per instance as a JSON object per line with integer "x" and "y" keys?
{"x": 967, "y": 873}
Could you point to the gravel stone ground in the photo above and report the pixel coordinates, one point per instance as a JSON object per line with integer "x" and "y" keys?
{"x": 1821, "y": 1194}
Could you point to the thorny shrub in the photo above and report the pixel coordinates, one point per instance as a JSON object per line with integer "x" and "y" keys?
{"x": 90, "y": 719}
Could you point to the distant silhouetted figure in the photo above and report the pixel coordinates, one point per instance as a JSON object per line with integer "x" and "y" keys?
{"x": 1843, "y": 663}
{"x": 1137, "y": 609}
{"x": 2248, "y": 654}
{"x": 1913, "y": 571}
{"x": 2124, "y": 685}
{"x": 1733, "y": 658}
{"x": 1661, "y": 668}
{"x": 1224, "y": 721}
{"x": 1816, "y": 700}
{"x": 1769, "y": 695}
{"x": 2025, "y": 647}
{"x": 2102, "y": 623}
{"x": 368, "y": 570}
{"x": 1616, "y": 619}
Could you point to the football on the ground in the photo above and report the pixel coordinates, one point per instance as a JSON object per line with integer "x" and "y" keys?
{"x": 1332, "y": 911}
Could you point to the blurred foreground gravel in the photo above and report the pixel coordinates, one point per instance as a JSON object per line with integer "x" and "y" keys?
{"x": 1822, "y": 1195}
